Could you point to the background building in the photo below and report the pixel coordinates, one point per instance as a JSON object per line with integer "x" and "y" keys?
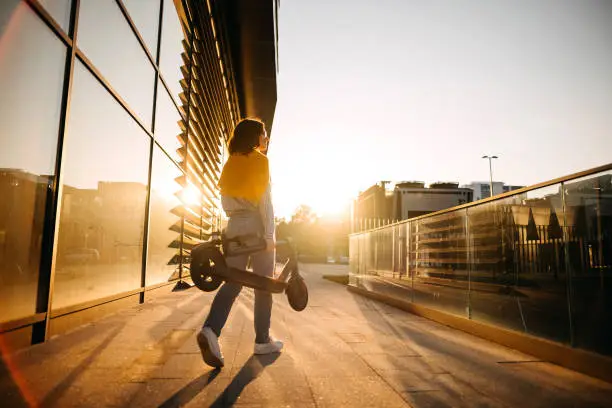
{"x": 482, "y": 189}
{"x": 114, "y": 119}
{"x": 412, "y": 199}
{"x": 380, "y": 205}
{"x": 373, "y": 207}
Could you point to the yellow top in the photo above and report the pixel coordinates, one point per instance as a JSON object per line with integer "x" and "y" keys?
{"x": 245, "y": 176}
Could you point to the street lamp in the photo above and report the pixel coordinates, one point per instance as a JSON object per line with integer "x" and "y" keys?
{"x": 490, "y": 171}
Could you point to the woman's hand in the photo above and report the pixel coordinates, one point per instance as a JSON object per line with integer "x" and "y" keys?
{"x": 270, "y": 244}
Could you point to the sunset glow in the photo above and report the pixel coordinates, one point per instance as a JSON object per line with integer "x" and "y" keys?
{"x": 191, "y": 195}
{"x": 430, "y": 89}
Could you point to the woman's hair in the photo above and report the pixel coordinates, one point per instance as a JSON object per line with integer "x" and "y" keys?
{"x": 246, "y": 136}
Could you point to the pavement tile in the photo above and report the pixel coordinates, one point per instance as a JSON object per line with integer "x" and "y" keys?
{"x": 589, "y": 391}
{"x": 190, "y": 346}
{"x": 429, "y": 337}
{"x": 343, "y": 350}
{"x": 428, "y": 399}
{"x": 407, "y": 381}
{"x": 335, "y": 365}
{"x": 154, "y": 356}
{"x": 395, "y": 348}
{"x": 213, "y": 395}
{"x": 318, "y": 344}
{"x": 284, "y": 362}
{"x": 354, "y": 391}
{"x": 461, "y": 394}
{"x": 416, "y": 364}
{"x": 494, "y": 380}
{"x": 352, "y": 337}
{"x": 83, "y": 393}
{"x": 130, "y": 374}
{"x": 277, "y": 405}
{"x": 176, "y": 392}
{"x": 184, "y": 366}
{"x": 267, "y": 387}
{"x": 116, "y": 357}
{"x": 138, "y": 372}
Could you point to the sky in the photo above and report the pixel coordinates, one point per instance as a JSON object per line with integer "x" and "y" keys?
{"x": 421, "y": 90}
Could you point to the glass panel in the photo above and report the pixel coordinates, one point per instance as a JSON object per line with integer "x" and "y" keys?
{"x": 105, "y": 167}
{"x": 164, "y": 221}
{"x": 170, "y": 60}
{"x": 360, "y": 276}
{"x": 375, "y": 260}
{"x": 370, "y": 253}
{"x": 412, "y": 255}
{"x": 589, "y": 228}
{"x": 145, "y": 14}
{"x": 354, "y": 267}
{"x": 441, "y": 263}
{"x": 167, "y": 129}
{"x": 106, "y": 39}
{"x": 402, "y": 250}
{"x": 518, "y": 278}
{"x": 384, "y": 252}
{"x": 363, "y": 256}
{"x": 32, "y": 66}
{"x": 356, "y": 263}
{"x": 59, "y": 10}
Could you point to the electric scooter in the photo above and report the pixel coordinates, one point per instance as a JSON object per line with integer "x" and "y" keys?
{"x": 209, "y": 269}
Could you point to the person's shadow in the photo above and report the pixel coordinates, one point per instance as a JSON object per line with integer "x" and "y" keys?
{"x": 191, "y": 390}
{"x": 251, "y": 370}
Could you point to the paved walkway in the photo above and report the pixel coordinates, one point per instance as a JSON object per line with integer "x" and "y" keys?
{"x": 343, "y": 350}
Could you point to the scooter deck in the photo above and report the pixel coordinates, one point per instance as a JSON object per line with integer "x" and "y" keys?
{"x": 209, "y": 257}
{"x": 209, "y": 269}
{"x": 249, "y": 279}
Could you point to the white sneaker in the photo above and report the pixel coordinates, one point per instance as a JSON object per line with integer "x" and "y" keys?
{"x": 272, "y": 346}
{"x": 209, "y": 346}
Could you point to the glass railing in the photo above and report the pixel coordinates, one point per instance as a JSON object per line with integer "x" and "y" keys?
{"x": 537, "y": 260}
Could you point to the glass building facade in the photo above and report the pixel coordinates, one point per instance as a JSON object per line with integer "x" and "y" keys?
{"x": 114, "y": 117}
{"x": 536, "y": 261}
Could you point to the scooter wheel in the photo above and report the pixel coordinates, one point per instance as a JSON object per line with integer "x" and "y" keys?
{"x": 297, "y": 293}
{"x": 207, "y": 283}
{"x": 202, "y": 269}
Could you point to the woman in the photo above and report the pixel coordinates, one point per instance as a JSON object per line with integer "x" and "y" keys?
{"x": 245, "y": 197}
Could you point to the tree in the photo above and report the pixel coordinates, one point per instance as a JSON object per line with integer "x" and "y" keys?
{"x": 315, "y": 238}
{"x": 304, "y": 215}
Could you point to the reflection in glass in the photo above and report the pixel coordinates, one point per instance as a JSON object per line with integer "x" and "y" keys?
{"x": 170, "y": 60}
{"x": 440, "y": 277}
{"x": 145, "y": 14}
{"x": 59, "y": 10}
{"x": 383, "y": 254}
{"x": 32, "y": 67}
{"x": 411, "y": 256}
{"x": 513, "y": 257}
{"x": 107, "y": 39}
{"x": 167, "y": 129}
{"x": 518, "y": 278}
{"x": 589, "y": 232}
{"x": 164, "y": 220}
{"x": 105, "y": 167}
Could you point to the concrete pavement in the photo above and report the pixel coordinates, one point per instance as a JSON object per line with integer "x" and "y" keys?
{"x": 343, "y": 350}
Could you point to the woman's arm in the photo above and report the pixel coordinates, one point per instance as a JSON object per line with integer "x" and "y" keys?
{"x": 267, "y": 214}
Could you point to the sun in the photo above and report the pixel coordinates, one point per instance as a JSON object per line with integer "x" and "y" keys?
{"x": 325, "y": 201}
{"x": 329, "y": 206}
{"x": 326, "y": 181}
